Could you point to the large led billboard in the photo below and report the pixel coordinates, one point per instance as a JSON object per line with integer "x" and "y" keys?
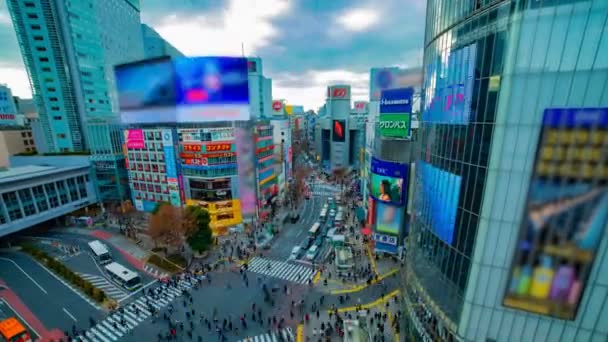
{"x": 146, "y": 91}
{"x": 389, "y": 218}
{"x": 388, "y": 181}
{"x": 245, "y": 160}
{"x": 391, "y": 78}
{"x": 199, "y": 89}
{"x": 565, "y": 214}
{"x": 439, "y": 200}
{"x": 338, "y": 129}
{"x": 449, "y": 84}
{"x": 212, "y": 89}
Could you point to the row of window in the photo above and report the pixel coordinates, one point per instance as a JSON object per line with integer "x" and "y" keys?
{"x": 157, "y": 188}
{"x": 148, "y": 167}
{"x": 229, "y": 170}
{"x": 159, "y": 177}
{"x": 30, "y": 201}
{"x": 151, "y": 197}
{"x": 145, "y": 156}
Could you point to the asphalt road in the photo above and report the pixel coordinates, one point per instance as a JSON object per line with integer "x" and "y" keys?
{"x": 55, "y": 305}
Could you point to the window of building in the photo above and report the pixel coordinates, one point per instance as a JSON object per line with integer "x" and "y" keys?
{"x": 35, "y": 27}
{"x": 56, "y": 117}
{"x": 46, "y": 69}
{"x": 61, "y": 135}
{"x": 23, "y": 134}
{"x": 33, "y": 16}
{"x": 53, "y": 99}
{"x": 40, "y": 48}
{"x": 54, "y": 108}
{"x": 26, "y": 143}
{"x": 29, "y": 4}
{"x": 51, "y": 89}
{"x": 43, "y": 59}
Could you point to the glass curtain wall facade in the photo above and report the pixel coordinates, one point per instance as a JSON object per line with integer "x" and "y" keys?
{"x": 491, "y": 68}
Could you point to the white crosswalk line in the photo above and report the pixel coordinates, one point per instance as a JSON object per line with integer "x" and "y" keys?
{"x": 99, "y": 335}
{"x": 109, "y": 326}
{"x": 280, "y": 269}
{"x": 113, "y": 320}
{"x": 285, "y": 333}
{"x": 102, "y": 283}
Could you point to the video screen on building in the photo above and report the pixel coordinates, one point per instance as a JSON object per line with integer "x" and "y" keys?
{"x": 338, "y": 129}
{"x": 439, "y": 200}
{"x": 146, "y": 91}
{"x": 449, "y": 87}
{"x": 388, "y": 181}
{"x": 245, "y": 159}
{"x": 389, "y": 218}
{"x": 212, "y": 89}
{"x": 565, "y": 214}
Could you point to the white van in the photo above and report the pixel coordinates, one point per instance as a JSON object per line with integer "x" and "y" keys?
{"x": 312, "y": 252}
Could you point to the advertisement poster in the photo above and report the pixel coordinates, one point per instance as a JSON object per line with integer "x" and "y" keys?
{"x": 388, "y": 218}
{"x": 395, "y": 125}
{"x": 246, "y": 170}
{"x": 565, "y": 215}
{"x": 388, "y": 181}
{"x": 439, "y": 199}
{"x": 211, "y": 89}
{"x": 449, "y": 87}
{"x": 171, "y": 167}
{"x": 135, "y": 138}
{"x": 391, "y": 78}
{"x": 396, "y": 100}
{"x": 339, "y": 130}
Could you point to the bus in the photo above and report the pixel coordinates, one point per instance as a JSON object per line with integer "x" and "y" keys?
{"x": 323, "y": 215}
{"x": 13, "y": 331}
{"x": 128, "y": 279}
{"x": 314, "y": 230}
{"x": 100, "y": 251}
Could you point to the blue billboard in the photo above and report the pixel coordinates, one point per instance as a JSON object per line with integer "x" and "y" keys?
{"x": 448, "y": 87}
{"x": 396, "y": 100}
{"x": 389, "y": 181}
{"x": 212, "y": 89}
{"x": 199, "y": 89}
{"x": 439, "y": 200}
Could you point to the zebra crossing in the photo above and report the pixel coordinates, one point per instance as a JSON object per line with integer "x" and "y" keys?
{"x": 323, "y": 193}
{"x": 112, "y": 328}
{"x": 280, "y": 269}
{"x": 155, "y": 272}
{"x": 285, "y": 334}
{"x": 104, "y": 284}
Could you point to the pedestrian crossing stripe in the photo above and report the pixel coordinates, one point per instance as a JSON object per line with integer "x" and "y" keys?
{"x": 323, "y": 193}
{"x": 104, "y": 284}
{"x": 279, "y": 269}
{"x": 155, "y": 272}
{"x": 285, "y": 334}
{"x": 110, "y": 329}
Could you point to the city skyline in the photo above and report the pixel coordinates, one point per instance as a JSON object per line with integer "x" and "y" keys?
{"x": 343, "y": 35}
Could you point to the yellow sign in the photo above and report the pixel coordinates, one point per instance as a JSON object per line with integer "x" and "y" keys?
{"x": 289, "y": 110}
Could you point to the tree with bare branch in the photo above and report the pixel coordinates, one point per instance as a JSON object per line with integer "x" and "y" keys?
{"x": 168, "y": 226}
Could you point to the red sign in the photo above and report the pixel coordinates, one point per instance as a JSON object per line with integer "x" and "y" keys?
{"x": 218, "y": 147}
{"x": 359, "y": 105}
{"x": 220, "y": 155}
{"x": 264, "y": 149}
{"x": 196, "y": 161}
{"x": 339, "y": 92}
{"x": 277, "y": 105}
{"x": 7, "y": 116}
{"x": 192, "y": 148}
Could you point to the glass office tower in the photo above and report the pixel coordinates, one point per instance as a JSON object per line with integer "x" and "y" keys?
{"x": 493, "y": 68}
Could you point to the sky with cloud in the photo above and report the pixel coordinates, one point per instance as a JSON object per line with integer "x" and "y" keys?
{"x": 305, "y": 45}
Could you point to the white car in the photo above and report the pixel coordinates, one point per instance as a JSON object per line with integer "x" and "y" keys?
{"x": 295, "y": 253}
{"x": 312, "y": 252}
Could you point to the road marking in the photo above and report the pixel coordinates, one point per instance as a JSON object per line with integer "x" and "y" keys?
{"x": 138, "y": 290}
{"x": 316, "y": 278}
{"x": 371, "y": 304}
{"x": 300, "y": 333}
{"x": 20, "y": 317}
{"x": 357, "y": 288}
{"x": 86, "y": 299}
{"x": 69, "y": 314}
{"x": 27, "y": 275}
{"x": 372, "y": 259}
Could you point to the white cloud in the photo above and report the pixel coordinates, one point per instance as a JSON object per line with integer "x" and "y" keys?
{"x": 312, "y": 94}
{"x": 359, "y": 19}
{"x": 16, "y": 79}
{"x": 5, "y": 19}
{"x": 242, "y": 22}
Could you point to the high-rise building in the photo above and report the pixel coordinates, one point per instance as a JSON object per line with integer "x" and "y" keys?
{"x": 508, "y": 240}
{"x": 260, "y": 90}
{"x": 266, "y": 182}
{"x": 155, "y": 45}
{"x": 70, "y": 49}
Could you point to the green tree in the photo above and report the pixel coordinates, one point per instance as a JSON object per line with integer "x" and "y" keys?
{"x": 200, "y": 236}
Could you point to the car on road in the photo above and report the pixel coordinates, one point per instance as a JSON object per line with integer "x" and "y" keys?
{"x": 295, "y": 253}
{"x": 305, "y": 244}
{"x": 332, "y": 212}
{"x": 312, "y": 252}
{"x": 319, "y": 241}
{"x": 295, "y": 216}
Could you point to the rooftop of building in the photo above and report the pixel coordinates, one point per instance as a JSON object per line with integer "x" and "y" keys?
{"x": 18, "y": 173}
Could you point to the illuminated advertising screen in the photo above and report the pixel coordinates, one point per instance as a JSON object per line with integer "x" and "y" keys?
{"x": 449, "y": 87}
{"x": 338, "y": 130}
{"x": 395, "y": 125}
{"x": 389, "y": 218}
{"x": 388, "y": 181}
{"x": 565, "y": 214}
{"x": 212, "y": 89}
{"x": 246, "y": 169}
{"x": 135, "y": 138}
{"x": 439, "y": 199}
{"x": 206, "y": 134}
{"x": 146, "y": 91}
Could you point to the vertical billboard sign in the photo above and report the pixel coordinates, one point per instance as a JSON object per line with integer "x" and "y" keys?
{"x": 245, "y": 147}
{"x": 396, "y": 112}
{"x": 171, "y": 167}
{"x": 388, "y": 181}
{"x": 449, "y": 87}
{"x": 338, "y": 130}
{"x": 565, "y": 214}
{"x": 135, "y": 139}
